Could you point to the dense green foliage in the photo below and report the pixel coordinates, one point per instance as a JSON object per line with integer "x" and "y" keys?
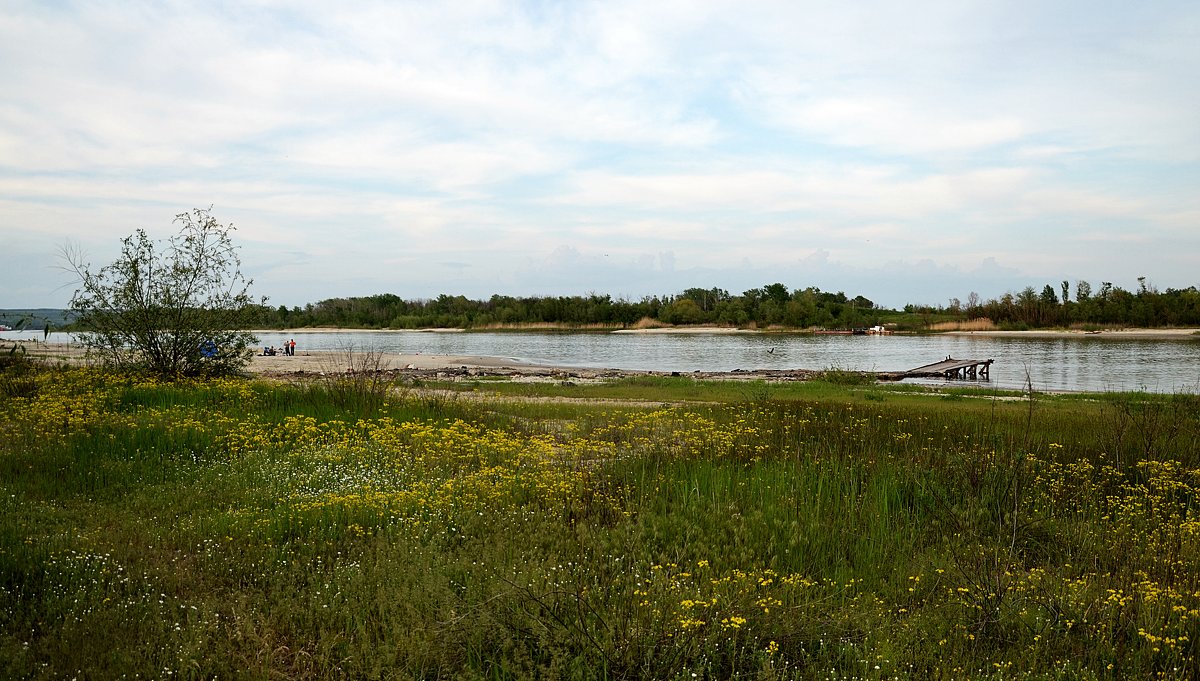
{"x": 1107, "y": 306}
{"x": 770, "y": 305}
{"x": 203, "y": 529}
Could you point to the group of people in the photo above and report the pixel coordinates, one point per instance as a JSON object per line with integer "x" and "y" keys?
{"x": 289, "y": 349}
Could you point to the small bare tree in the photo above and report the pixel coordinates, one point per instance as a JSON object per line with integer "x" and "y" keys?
{"x": 175, "y": 308}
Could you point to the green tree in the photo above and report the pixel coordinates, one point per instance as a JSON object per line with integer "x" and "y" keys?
{"x": 777, "y": 292}
{"x": 175, "y": 308}
{"x": 683, "y": 311}
{"x": 1048, "y": 297}
{"x": 1083, "y": 291}
{"x": 706, "y": 299}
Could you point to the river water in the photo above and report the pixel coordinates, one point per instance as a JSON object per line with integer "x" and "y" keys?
{"x": 1074, "y": 363}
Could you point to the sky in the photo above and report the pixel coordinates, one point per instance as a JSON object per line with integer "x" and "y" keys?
{"x": 907, "y": 152}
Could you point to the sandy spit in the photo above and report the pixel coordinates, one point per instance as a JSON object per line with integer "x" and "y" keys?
{"x": 334, "y": 361}
{"x": 338, "y": 329}
{"x": 314, "y": 361}
{"x": 688, "y": 330}
{"x": 323, "y": 363}
{"x": 1127, "y": 334}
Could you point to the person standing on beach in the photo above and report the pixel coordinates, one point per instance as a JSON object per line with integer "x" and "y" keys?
{"x": 292, "y": 347}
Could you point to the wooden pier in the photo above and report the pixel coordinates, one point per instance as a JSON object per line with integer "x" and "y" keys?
{"x": 951, "y": 368}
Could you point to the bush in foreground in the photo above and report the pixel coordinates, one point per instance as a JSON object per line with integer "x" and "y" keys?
{"x": 176, "y": 308}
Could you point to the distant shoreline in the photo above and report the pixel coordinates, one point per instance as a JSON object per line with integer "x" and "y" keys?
{"x": 1127, "y": 334}
{"x": 348, "y": 329}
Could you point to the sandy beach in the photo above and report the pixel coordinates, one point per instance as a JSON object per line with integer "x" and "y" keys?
{"x": 667, "y": 330}
{"x": 335, "y": 361}
{"x": 315, "y": 362}
{"x": 1127, "y": 334}
{"x": 318, "y": 363}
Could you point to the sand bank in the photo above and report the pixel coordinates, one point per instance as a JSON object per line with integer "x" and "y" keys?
{"x": 335, "y": 361}
{"x": 688, "y": 329}
{"x": 1127, "y": 334}
{"x": 262, "y": 333}
{"x": 309, "y": 361}
{"x": 316, "y": 363}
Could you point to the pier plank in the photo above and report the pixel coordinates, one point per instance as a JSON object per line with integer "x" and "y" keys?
{"x": 953, "y": 368}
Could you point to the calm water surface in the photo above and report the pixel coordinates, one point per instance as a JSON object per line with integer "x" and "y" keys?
{"x": 1091, "y": 363}
{"x": 1077, "y": 363}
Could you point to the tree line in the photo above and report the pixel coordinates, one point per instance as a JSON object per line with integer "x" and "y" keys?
{"x": 1081, "y": 305}
{"x": 1084, "y": 306}
{"x": 771, "y": 305}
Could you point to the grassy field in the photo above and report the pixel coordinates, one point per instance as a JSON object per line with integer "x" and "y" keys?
{"x": 833, "y": 529}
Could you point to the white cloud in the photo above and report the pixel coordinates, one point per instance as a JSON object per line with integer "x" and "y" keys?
{"x": 832, "y": 192}
{"x": 378, "y": 141}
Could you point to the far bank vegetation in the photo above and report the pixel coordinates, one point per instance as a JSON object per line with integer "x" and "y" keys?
{"x": 1080, "y": 306}
{"x": 770, "y": 306}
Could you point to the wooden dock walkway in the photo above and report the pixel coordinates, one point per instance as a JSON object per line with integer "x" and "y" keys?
{"x": 953, "y": 369}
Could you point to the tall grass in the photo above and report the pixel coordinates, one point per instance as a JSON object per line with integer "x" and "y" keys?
{"x": 232, "y": 528}
{"x": 980, "y": 324}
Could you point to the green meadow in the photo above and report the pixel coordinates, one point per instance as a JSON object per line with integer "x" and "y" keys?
{"x": 646, "y": 528}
